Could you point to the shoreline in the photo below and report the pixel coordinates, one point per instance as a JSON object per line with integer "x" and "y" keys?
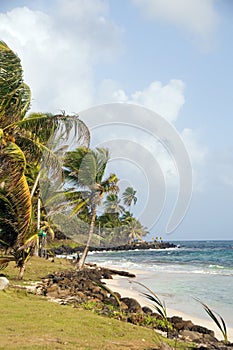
{"x": 125, "y": 287}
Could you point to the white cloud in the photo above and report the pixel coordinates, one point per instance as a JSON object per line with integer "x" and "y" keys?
{"x": 165, "y": 100}
{"x": 197, "y": 16}
{"x": 59, "y": 50}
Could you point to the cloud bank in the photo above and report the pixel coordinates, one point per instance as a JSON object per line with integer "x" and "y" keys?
{"x": 196, "y": 16}
{"x": 62, "y": 47}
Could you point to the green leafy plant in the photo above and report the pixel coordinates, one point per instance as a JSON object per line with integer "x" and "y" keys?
{"x": 89, "y": 305}
{"x": 218, "y": 320}
{"x": 158, "y": 305}
{"x": 108, "y": 290}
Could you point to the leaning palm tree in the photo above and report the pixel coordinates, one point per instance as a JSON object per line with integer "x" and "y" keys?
{"x": 24, "y": 141}
{"x": 84, "y": 169}
{"x": 14, "y": 103}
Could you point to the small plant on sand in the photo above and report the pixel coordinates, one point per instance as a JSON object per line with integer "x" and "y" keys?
{"x": 218, "y": 320}
{"x": 159, "y": 306}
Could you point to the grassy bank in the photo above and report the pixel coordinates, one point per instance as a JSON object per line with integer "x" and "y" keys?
{"x": 32, "y": 322}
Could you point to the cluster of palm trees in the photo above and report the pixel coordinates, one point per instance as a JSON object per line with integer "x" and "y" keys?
{"x": 119, "y": 226}
{"x": 30, "y": 143}
{"x": 87, "y": 191}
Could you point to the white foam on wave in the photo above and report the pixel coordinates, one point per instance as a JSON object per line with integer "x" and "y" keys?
{"x": 165, "y": 268}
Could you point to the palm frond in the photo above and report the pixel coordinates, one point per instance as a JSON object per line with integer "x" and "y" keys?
{"x": 14, "y": 93}
{"x": 102, "y": 156}
{"x": 159, "y": 305}
{"x": 214, "y": 316}
{"x": 78, "y": 207}
{"x": 21, "y": 198}
{"x": 108, "y": 290}
{"x": 17, "y": 195}
{"x": 13, "y": 164}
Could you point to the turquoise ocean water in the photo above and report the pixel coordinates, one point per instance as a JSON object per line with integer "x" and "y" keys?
{"x": 196, "y": 269}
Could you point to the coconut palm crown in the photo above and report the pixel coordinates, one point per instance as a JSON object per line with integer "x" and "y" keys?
{"x": 85, "y": 169}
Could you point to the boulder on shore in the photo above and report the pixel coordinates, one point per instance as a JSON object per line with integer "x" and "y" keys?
{"x": 4, "y": 282}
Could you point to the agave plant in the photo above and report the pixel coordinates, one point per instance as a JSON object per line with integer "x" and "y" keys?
{"x": 218, "y": 320}
{"x": 158, "y": 305}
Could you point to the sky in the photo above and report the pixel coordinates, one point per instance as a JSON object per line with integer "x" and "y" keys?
{"x": 173, "y": 57}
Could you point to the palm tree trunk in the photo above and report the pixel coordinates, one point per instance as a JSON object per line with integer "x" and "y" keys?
{"x": 35, "y": 184}
{"x": 21, "y": 270}
{"x": 84, "y": 254}
{"x": 36, "y": 250}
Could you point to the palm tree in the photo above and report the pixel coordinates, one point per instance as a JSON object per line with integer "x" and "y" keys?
{"x": 14, "y": 103}
{"x": 112, "y": 204}
{"x": 129, "y": 196}
{"x": 22, "y": 144}
{"x": 133, "y": 227}
{"x": 85, "y": 168}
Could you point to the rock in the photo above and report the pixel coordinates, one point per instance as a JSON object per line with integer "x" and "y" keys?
{"x": 117, "y": 295}
{"x": 183, "y": 325}
{"x": 53, "y": 288}
{"x": 66, "y": 250}
{"x": 197, "y": 337}
{"x": 147, "y": 310}
{"x": 124, "y": 307}
{"x": 120, "y": 273}
{"x": 175, "y": 319}
{"x": 133, "y": 305}
{"x": 4, "y": 282}
{"x": 201, "y": 329}
{"x": 191, "y": 336}
{"x": 73, "y": 287}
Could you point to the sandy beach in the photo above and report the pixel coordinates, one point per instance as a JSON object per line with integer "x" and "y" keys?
{"x": 127, "y": 288}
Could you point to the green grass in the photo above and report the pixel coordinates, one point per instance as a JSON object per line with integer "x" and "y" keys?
{"x": 32, "y": 322}
{"x": 36, "y": 268}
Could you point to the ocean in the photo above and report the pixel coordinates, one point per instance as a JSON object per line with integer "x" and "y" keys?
{"x": 194, "y": 270}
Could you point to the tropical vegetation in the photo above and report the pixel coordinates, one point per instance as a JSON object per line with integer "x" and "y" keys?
{"x": 23, "y": 144}
{"x": 43, "y": 154}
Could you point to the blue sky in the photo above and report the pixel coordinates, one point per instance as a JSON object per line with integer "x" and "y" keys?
{"x": 77, "y": 54}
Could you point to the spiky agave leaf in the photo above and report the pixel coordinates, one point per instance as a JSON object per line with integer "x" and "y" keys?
{"x": 159, "y": 305}
{"x": 220, "y": 324}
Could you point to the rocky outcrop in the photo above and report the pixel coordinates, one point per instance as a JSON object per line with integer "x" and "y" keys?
{"x": 133, "y": 305}
{"x": 67, "y": 250}
{"x": 87, "y": 289}
{"x": 4, "y": 282}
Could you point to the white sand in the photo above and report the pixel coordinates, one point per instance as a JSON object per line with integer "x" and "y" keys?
{"x": 126, "y": 288}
